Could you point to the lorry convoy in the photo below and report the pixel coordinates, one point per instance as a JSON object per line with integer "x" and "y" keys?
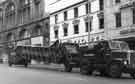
{"x": 110, "y": 58}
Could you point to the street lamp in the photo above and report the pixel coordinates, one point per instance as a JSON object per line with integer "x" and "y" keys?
{"x": 90, "y": 18}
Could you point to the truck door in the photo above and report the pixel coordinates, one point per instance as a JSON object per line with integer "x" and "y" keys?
{"x": 101, "y": 52}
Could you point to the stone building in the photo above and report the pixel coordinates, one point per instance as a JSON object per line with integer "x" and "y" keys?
{"x": 120, "y": 20}
{"x": 69, "y": 20}
{"x": 23, "y": 22}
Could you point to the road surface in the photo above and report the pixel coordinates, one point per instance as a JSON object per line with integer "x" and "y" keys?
{"x": 40, "y": 75}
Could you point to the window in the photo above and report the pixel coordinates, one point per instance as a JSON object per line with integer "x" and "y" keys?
{"x": 133, "y": 16}
{"x": 10, "y": 14}
{"x": 88, "y": 8}
{"x": 76, "y": 29}
{"x": 56, "y": 18}
{"x": 65, "y": 31}
{"x": 101, "y": 23}
{"x": 118, "y": 19}
{"x": 27, "y": 2}
{"x": 1, "y": 17}
{"x": 56, "y": 33}
{"x": 86, "y": 26}
{"x": 37, "y": 7}
{"x": 75, "y": 12}
{"x": 65, "y": 15}
{"x": 117, "y": 1}
{"x": 101, "y": 4}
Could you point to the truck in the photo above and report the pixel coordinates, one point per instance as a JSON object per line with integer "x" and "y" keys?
{"x": 58, "y": 53}
{"x": 109, "y": 57}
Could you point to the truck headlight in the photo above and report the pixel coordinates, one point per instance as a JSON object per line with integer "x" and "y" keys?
{"x": 125, "y": 62}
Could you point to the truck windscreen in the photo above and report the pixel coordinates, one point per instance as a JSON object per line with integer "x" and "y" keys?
{"x": 119, "y": 45}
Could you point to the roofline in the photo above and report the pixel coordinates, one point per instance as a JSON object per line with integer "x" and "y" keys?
{"x": 70, "y": 6}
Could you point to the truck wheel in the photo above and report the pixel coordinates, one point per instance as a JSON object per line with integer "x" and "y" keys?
{"x": 9, "y": 64}
{"x": 133, "y": 75}
{"x": 103, "y": 73}
{"x": 25, "y": 65}
{"x": 85, "y": 70}
{"x": 68, "y": 68}
{"x": 115, "y": 71}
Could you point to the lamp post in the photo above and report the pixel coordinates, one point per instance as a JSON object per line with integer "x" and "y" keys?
{"x": 90, "y": 18}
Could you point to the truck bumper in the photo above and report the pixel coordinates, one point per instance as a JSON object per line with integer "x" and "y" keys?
{"x": 129, "y": 69}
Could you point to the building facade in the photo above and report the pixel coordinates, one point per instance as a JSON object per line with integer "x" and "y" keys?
{"x": 24, "y": 22}
{"x": 120, "y": 20}
{"x": 70, "y": 21}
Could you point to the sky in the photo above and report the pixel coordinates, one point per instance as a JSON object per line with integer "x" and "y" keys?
{"x": 1, "y": 0}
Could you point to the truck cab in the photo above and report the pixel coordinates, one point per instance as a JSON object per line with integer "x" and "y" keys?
{"x": 109, "y": 57}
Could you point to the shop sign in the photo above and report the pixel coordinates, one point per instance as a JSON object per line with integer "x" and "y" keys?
{"x": 23, "y": 42}
{"x": 37, "y": 40}
{"x": 127, "y": 31}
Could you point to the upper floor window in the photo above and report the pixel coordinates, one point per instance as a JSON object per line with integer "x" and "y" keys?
{"x": 88, "y": 26}
{"x": 56, "y": 18}
{"x": 118, "y": 19}
{"x": 76, "y": 12}
{"x": 10, "y": 14}
{"x": 76, "y": 29}
{"x": 88, "y": 8}
{"x": 101, "y": 4}
{"x": 65, "y": 31}
{"x": 133, "y": 16}
{"x": 65, "y": 15}
{"x": 117, "y": 1}
{"x": 101, "y": 23}
{"x": 56, "y": 33}
{"x": 27, "y": 2}
{"x": 1, "y": 16}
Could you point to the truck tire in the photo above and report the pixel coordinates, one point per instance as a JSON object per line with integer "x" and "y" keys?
{"x": 132, "y": 75}
{"x": 68, "y": 67}
{"x": 86, "y": 70}
{"x": 103, "y": 73}
{"x": 26, "y": 65}
{"x": 114, "y": 71}
{"x": 10, "y": 64}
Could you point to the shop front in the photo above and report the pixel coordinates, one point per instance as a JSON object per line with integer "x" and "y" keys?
{"x": 125, "y": 34}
